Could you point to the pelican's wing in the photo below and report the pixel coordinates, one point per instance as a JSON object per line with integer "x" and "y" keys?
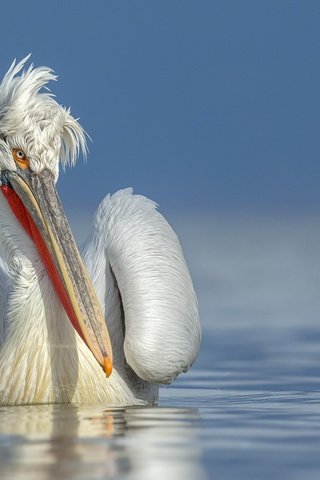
{"x": 133, "y": 248}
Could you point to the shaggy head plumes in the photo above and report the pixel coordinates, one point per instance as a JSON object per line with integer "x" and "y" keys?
{"x": 32, "y": 120}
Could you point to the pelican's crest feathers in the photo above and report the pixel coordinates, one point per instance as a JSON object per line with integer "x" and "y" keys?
{"x": 29, "y": 113}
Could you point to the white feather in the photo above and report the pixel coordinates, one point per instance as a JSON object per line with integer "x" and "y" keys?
{"x": 162, "y": 332}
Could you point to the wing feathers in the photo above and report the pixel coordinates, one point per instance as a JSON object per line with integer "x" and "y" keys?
{"x": 162, "y": 332}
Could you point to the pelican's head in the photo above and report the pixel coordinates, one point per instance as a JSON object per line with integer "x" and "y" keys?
{"x": 36, "y": 135}
{"x": 32, "y": 122}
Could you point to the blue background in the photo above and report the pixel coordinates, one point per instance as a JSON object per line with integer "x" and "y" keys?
{"x": 201, "y": 105}
{"x": 211, "y": 108}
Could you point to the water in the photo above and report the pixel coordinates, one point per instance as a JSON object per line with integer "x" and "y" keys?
{"x": 250, "y": 407}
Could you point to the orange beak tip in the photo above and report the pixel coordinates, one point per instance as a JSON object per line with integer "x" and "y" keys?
{"x": 107, "y": 366}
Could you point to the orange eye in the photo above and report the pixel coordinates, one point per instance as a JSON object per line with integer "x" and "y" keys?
{"x": 20, "y": 158}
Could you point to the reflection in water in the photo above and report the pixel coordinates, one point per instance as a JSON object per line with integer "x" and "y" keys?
{"x": 81, "y": 442}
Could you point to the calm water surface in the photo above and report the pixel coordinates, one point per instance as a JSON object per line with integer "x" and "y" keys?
{"x": 250, "y": 408}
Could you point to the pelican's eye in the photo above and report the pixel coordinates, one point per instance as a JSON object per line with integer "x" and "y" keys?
{"x": 20, "y": 158}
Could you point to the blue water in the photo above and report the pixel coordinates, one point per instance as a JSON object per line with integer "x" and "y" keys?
{"x": 249, "y": 408}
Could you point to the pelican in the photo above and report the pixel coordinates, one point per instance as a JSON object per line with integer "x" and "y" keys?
{"x": 109, "y": 325}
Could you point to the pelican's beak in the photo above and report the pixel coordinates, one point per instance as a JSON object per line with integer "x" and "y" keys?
{"x": 35, "y": 202}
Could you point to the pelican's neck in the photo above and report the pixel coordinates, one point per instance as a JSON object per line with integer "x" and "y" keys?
{"x": 31, "y": 297}
{"x": 40, "y": 346}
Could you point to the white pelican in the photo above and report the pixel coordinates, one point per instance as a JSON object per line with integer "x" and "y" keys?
{"x": 65, "y": 337}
